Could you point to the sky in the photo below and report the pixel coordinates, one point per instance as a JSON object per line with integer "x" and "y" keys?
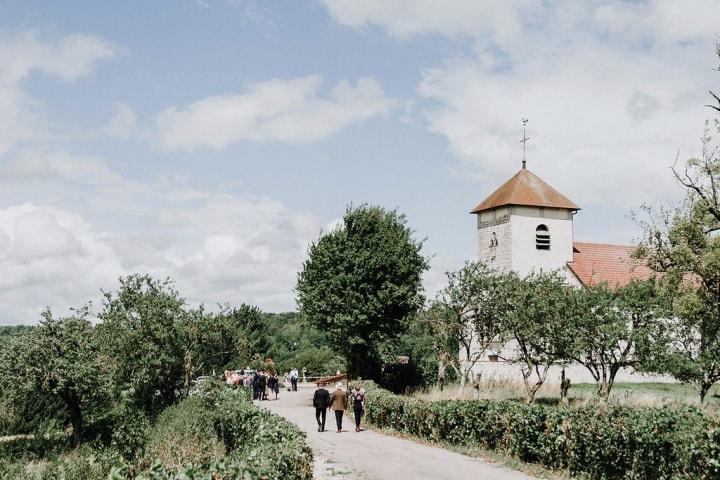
{"x": 212, "y": 140}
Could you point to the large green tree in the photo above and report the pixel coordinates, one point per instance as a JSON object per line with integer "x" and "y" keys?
{"x": 58, "y": 358}
{"x": 533, "y": 312}
{"x": 463, "y": 316}
{"x": 361, "y": 281}
{"x": 608, "y": 325}
{"x": 684, "y": 245}
{"x": 144, "y": 336}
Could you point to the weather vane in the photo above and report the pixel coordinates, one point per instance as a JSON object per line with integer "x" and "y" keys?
{"x": 524, "y": 141}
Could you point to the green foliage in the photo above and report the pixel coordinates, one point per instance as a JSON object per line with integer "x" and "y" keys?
{"x": 47, "y": 442}
{"x": 611, "y": 327}
{"x": 86, "y": 463}
{"x": 130, "y": 430}
{"x": 684, "y": 245}
{"x": 533, "y": 312}
{"x": 464, "y": 316}
{"x": 184, "y": 433}
{"x": 609, "y": 442}
{"x": 361, "y": 281}
{"x": 295, "y": 342}
{"x": 228, "y": 339}
{"x": 57, "y": 361}
{"x": 269, "y": 445}
{"x": 223, "y": 434}
{"x": 141, "y": 331}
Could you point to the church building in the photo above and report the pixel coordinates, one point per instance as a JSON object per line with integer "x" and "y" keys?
{"x": 526, "y": 226}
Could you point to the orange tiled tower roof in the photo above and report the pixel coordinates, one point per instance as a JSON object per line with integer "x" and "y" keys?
{"x": 525, "y": 188}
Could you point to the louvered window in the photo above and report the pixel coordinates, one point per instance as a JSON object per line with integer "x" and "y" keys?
{"x": 542, "y": 237}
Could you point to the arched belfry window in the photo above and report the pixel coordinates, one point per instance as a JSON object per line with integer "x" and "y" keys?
{"x": 542, "y": 237}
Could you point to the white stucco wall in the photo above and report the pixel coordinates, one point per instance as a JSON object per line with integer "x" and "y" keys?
{"x": 514, "y": 229}
{"x": 526, "y": 258}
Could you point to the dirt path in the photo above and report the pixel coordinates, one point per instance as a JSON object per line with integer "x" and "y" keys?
{"x": 369, "y": 455}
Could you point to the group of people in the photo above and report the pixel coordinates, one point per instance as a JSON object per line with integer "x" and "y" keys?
{"x": 263, "y": 382}
{"x": 337, "y": 401}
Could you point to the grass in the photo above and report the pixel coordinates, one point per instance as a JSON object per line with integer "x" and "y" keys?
{"x": 639, "y": 394}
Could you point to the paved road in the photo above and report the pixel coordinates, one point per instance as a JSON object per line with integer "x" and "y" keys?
{"x": 369, "y": 455}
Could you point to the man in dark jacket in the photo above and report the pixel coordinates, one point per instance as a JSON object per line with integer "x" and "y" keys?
{"x": 256, "y": 385}
{"x": 321, "y": 401}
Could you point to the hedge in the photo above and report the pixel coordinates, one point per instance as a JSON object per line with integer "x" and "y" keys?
{"x": 597, "y": 441}
{"x": 257, "y": 443}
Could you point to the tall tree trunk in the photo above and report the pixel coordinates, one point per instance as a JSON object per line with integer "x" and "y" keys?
{"x": 76, "y": 419}
{"x": 704, "y": 389}
{"x": 564, "y": 387}
{"x": 531, "y": 389}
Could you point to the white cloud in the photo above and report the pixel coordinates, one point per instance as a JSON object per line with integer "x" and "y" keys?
{"x": 68, "y": 57}
{"x": 280, "y": 110}
{"x": 49, "y": 256}
{"x": 501, "y": 21}
{"x": 219, "y": 246}
{"x": 662, "y": 20}
{"x": 122, "y": 123}
{"x": 508, "y": 23}
{"x": 613, "y": 90}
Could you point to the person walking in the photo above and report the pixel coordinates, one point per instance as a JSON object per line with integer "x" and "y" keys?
{"x": 321, "y": 402}
{"x": 271, "y": 383}
{"x": 262, "y": 383}
{"x": 338, "y": 403}
{"x": 256, "y": 386}
{"x": 294, "y": 378}
{"x": 276, "y": 384}
{"x": 357, "y": 396}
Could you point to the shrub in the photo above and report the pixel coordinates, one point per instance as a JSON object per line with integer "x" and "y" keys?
{"x": 130, "y": 430}
{"x": 267, "y": 444}
{"x": 222, "y": 435}
{"x": 183, "y": 433}
{"x": 47, "y": 441}
{"x": 600, "y": 442}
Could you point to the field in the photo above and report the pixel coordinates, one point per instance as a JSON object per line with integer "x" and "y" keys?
{"x": 638, "y": 394}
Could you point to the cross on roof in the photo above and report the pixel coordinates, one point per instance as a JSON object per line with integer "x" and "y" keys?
{"x": 524, "y": 141}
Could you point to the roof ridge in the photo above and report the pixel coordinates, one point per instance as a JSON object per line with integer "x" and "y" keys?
{"x": 604, "y": 244}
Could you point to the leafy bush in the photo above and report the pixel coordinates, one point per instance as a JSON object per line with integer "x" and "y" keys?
{"x": 184, "y": 433}
{"x": 85, "y": 463}
{"x": 220, "y": 434}
{"x": 47, "y": 441}
{"x": 130, "y": 430}
{"x": 600, "y": 442}
{"x": 266, "y": 443}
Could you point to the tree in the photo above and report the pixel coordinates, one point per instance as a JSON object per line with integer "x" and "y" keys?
{"x": 608, "y": 324}
{"x": 533, "y": 312}
{"x": 144, "y": 338}
{"x": 59, "y": 358}
{"x": 226, "y": 339}
{"x": 684, "y": 245}
{"x": 360, "y": 282}
{"x": 463, "y": 317}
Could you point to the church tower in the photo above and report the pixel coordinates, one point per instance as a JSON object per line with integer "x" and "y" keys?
{"x": 525, "y": 225}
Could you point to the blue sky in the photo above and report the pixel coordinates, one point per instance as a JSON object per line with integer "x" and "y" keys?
{"x": 211, "y": 140}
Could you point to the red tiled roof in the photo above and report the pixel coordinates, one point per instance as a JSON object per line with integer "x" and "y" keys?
{"x": 595, "y": 263}
{"x": 525, "y": 188}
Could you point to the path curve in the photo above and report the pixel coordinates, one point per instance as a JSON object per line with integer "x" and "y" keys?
{"x": 369, "y": 455}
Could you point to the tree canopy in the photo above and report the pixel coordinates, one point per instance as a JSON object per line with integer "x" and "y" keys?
{"x": 684, "y": 245}
{"x": 361, "y": 281}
